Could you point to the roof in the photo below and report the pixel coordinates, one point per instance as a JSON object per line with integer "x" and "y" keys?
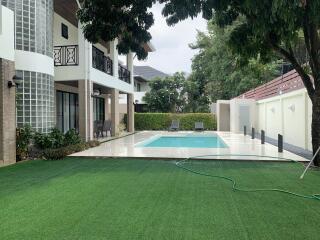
{"x": 148, "y": 73}
{"x": 288, "y": 82}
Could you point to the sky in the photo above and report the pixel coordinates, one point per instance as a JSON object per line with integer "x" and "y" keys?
{"x": 172, "y": 43}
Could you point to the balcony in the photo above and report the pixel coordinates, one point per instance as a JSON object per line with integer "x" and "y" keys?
{"x": 70, "y": 65}
{"x": 124, "y": 74}
{"x": 66, "y": 55}
{"x": 101, "y": 62}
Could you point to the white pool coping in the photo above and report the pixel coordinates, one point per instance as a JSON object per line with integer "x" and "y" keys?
{"x": 238, "y": 144}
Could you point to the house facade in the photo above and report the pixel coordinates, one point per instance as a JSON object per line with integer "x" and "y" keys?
{"x": 67, "y": 82}
{"x": 142, "y": 76}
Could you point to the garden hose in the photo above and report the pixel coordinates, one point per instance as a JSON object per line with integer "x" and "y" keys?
{"x": 181, "y": 163}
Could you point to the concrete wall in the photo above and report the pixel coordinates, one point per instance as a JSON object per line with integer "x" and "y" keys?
{"x": 6, "y": 33}
{"x": 237, "y": 114}
{"x": 288, "y": 114}
{"x": 58, "y": 40}
{"x": 7, "y": 114}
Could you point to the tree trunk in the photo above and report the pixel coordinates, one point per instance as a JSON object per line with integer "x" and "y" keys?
{"x": 316, "y": 125}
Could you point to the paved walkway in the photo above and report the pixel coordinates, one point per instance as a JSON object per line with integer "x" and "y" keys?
{"x": 238, "y": 144}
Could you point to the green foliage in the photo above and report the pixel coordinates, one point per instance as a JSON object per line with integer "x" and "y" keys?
{"x": 220, "y": 70}
{"x": 72, "y": 137}
{"x": 166, "y": 94}
{"x": 23, "y": 138}
{"x": 56, "y": 154}
{"x": 162, "y": 121}
{"x": 129, "y": 21}
{"x": 93, "y": 143}
{"x": 62, "y": 152}
{"x": 55, "y": 139}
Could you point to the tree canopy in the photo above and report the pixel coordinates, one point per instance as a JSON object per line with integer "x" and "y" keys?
{"x": 220, "y": 71}
{"x": 127, "y": 20}
{"x": 166, "y": 94}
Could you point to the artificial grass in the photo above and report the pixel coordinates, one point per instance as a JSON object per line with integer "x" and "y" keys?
{"x": 139, "y": 199}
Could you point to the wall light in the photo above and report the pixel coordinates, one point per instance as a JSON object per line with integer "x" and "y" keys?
{"x": 292, "y": 107}
{"x": 15, "y": 81}
{"x": 96, "y": 93}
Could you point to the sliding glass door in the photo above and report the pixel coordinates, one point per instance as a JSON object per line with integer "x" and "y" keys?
{"x": 98, "y": 109}
{"x": 67, "y": 111}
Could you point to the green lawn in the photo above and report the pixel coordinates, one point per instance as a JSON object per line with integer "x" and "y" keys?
{"x": 136, "y": 199}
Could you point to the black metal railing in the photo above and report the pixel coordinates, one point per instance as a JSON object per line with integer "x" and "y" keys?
{"x": 124, "y": 74}
{"x": 101, "y": 62}
{"x": 66, "y": 55}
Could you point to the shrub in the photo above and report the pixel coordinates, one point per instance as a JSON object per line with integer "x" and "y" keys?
{"x": 23, "y": 138}
{"x": 162, "y": 121}
{"x": 42, "y": 141}
{"x": 91, "y": 144}
{"x": 55, "y": 154}
{"x": 60, "y": 153}
{"x": 71, "y": 138}
{"x": 55, "y": 139}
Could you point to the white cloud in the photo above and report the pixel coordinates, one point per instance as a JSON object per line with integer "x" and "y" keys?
{"x": 172, "y": 43}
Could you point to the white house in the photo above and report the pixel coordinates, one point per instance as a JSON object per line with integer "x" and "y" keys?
{"x": 67, "y": 82}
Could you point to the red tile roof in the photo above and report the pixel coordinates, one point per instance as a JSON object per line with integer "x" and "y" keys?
{"x": 289, "y": 82}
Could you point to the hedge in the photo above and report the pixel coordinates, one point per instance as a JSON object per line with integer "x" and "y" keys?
{"x": 162, "y": 121}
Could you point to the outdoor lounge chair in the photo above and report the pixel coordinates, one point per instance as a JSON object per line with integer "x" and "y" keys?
{"x": 198, "y": 126}
{"x": 98, "y": 128}
{"x": 107, "y": 127}
{"x": 175, "y": 125}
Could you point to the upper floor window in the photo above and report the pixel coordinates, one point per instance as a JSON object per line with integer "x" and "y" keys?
{"x": 64, "y": 31}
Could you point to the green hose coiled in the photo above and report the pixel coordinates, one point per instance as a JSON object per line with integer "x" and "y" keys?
{"x": 180, "y": 164}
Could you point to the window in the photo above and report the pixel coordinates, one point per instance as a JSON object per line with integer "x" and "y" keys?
{"x": 64, "y": 31}
{"x": 67, "y": 111}
{"x": 98, "y": 109}
{"x": 138, "y": 87}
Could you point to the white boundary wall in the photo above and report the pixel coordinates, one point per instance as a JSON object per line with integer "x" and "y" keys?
{"x": 289, "y": 114}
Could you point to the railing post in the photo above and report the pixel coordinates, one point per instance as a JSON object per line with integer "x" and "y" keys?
{"x": 262, "y": 137}
{"x": 280, "y": 143}
{"x": 252, "y": 133}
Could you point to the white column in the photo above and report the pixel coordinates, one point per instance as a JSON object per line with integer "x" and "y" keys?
{"x": 130, "y": 112}
{"x": 85, "y": 110}
{"x": 85, "y": 87}
{"x": 114, "y": 56}
{"x": 114, "y": 112}
{"x": 130, "y": 68}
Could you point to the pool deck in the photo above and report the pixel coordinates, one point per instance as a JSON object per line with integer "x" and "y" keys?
{"x": 238, "y": 144}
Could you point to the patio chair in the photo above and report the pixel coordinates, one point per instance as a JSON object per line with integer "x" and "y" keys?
{"x": 175, "y": 125}
{"x": 107, "y": 127}
{"x": 98, "y": 128}
{"x": 198, "y": 126}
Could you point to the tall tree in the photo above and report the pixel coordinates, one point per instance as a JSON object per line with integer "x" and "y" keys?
{"x": 220, "y": 70}
{"x": 270, "y": 25}
{"x": 166, "y": 94}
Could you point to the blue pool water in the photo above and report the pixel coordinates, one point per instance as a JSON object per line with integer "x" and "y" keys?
{"x": 186, "y": 142}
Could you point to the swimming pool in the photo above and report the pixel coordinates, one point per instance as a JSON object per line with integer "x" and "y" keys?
{"x": 187, "y": 141}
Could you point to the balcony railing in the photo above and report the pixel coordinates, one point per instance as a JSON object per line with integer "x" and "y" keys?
{"x": 66, "y": 55}
{"x": 101, "y": 62}
{"x": 124, "y": 74}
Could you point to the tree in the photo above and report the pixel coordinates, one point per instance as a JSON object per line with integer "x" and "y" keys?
{"x": 127, "y": 20}
{"x": 269, "y": 26}
{"x": 166, "y": 94}
{"x": 219, "y": 69}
